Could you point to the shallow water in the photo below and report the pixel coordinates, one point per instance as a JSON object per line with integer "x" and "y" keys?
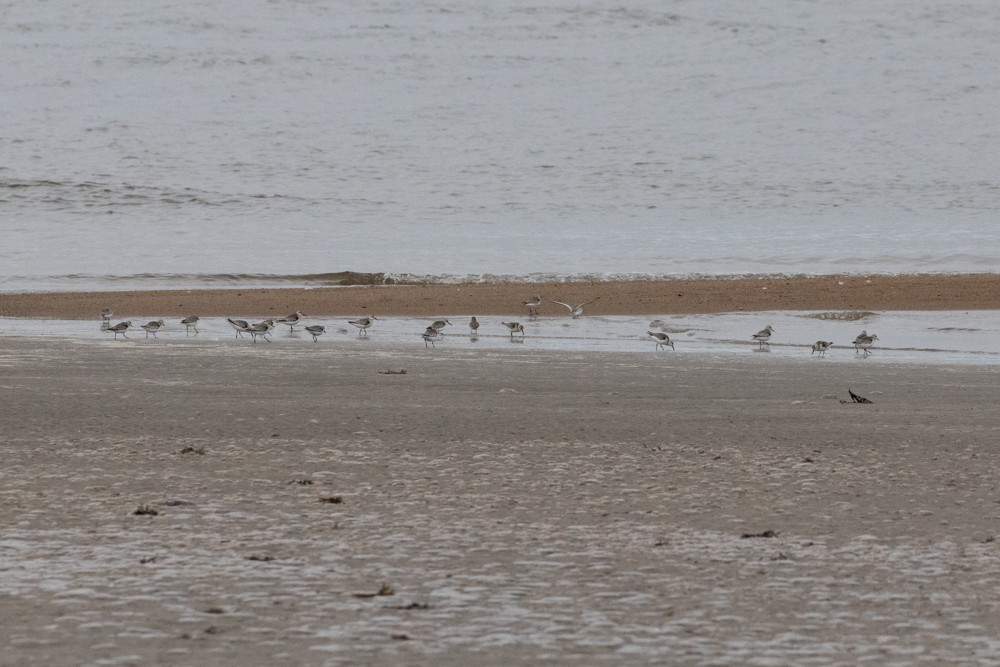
{"x": 950, "y": 337}
{"x": 187, "y": 144}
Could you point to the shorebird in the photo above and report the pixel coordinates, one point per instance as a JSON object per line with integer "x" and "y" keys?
{"x": 864, "y": 342}
{"x": 577, "y": 310}
{"x": 291, "y": 320}
{"x": 661, "y": 339}
{"x": 261, "y": 329}
{"x": 120, "y": 328}
{"x": 107, "y": 314}
{"x": 153, "y": 327}
{"x": 316, "y": 330}
{"x": 363, "y": 324}
{"x": 190, "y": 323}
{"x": 763, "y": 336}
{"x": 239, "y": 325}
{"x": 430, "y": 335}
{"x": 474, "y": 326}
{"x": 532, "y": 304}
{"x": 514, "y": 327}
{"x": 439, "y": 325}
{"x": 821, "y": 346}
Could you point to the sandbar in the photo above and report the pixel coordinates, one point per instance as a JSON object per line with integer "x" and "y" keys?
{"x": 654, "y": 297}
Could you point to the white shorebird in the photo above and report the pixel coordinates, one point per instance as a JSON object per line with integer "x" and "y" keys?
{"x": 864, "y": 342}
{"x": 153, "y": 327}
{"x": 291, "y": 320}
{"x": 474, "y": 326}
{"x": 120, "y": 328}
{"x": 239, "y": 325}
{"x": 439, "y": 325}
{"x": 261, "y": 329}
{"x": 577, "y": 310}
{"x": 430, "y": 335}
{"x": 190, "y": 323}
{"x": 821, "y": 346}
{"x": 363, "y": 324}
{"x": 514, "y": 327}
{"x": 316, "y": 330}
{"x": 763, "y": 336}
{"x": 532, "y": 304}
{"x": 661, "y": 339}
{"x": 107, "y": 314}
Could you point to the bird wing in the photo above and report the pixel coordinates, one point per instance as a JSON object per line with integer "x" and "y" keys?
{"x": 564, "y": 304}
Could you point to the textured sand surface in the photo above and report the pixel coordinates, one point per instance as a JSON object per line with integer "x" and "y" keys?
{"x": 922, "y": 292}
{"x": 521, "y": 507}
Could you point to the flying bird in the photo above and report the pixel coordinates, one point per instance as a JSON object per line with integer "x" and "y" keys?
{"x": 577, "y": 310}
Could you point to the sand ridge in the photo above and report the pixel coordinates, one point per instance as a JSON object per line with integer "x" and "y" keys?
{"x": 655, "y": 297}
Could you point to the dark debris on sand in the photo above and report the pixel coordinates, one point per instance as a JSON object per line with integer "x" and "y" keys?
{"x": 766, "y": 533}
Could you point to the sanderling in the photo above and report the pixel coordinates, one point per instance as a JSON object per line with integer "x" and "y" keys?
{"x": 291, "y": 320}
{"x": 261, "y": 329}
{"x": 514, "y": 327}
{"x": 763, "y": 336}
{"x": 430, "y": 335}
{"x": 190, "y": 323}
{"x": 577, "y": 310}
{"x": 316, "y": 330}
{"x": 474, "y": 326}
{"x": 239, "y": 325}
{"x": 864, "y": 342}
{"x": 120, "y": 328}
{"x": 439, "y": 325}
{"x": 532, "y": 304}
{"x": 363, "y": 324}
{"x": 821, "y": 346}
{"x": 107, "y": 314}
{"x": 661, "y": 339}
{"x": 153, "y": 327}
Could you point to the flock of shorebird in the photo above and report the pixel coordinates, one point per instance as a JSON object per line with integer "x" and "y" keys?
{"x": 863, "y": 343}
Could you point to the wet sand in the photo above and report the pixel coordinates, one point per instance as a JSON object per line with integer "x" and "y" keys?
{"x": 515, "y": 507}
{"x": 664, "y": 297}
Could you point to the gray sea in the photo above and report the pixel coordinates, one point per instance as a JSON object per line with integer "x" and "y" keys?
{"x": 181, "y": 143}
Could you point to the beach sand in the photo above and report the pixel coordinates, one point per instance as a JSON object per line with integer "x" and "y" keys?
{"x": 664, "y": 297}
{"x": 513, "y": 507}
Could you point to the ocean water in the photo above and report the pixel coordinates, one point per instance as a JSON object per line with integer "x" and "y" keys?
{"x": 183, "y": 143}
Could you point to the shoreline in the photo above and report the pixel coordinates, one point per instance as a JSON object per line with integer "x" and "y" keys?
{"x": 920, "y": 292}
